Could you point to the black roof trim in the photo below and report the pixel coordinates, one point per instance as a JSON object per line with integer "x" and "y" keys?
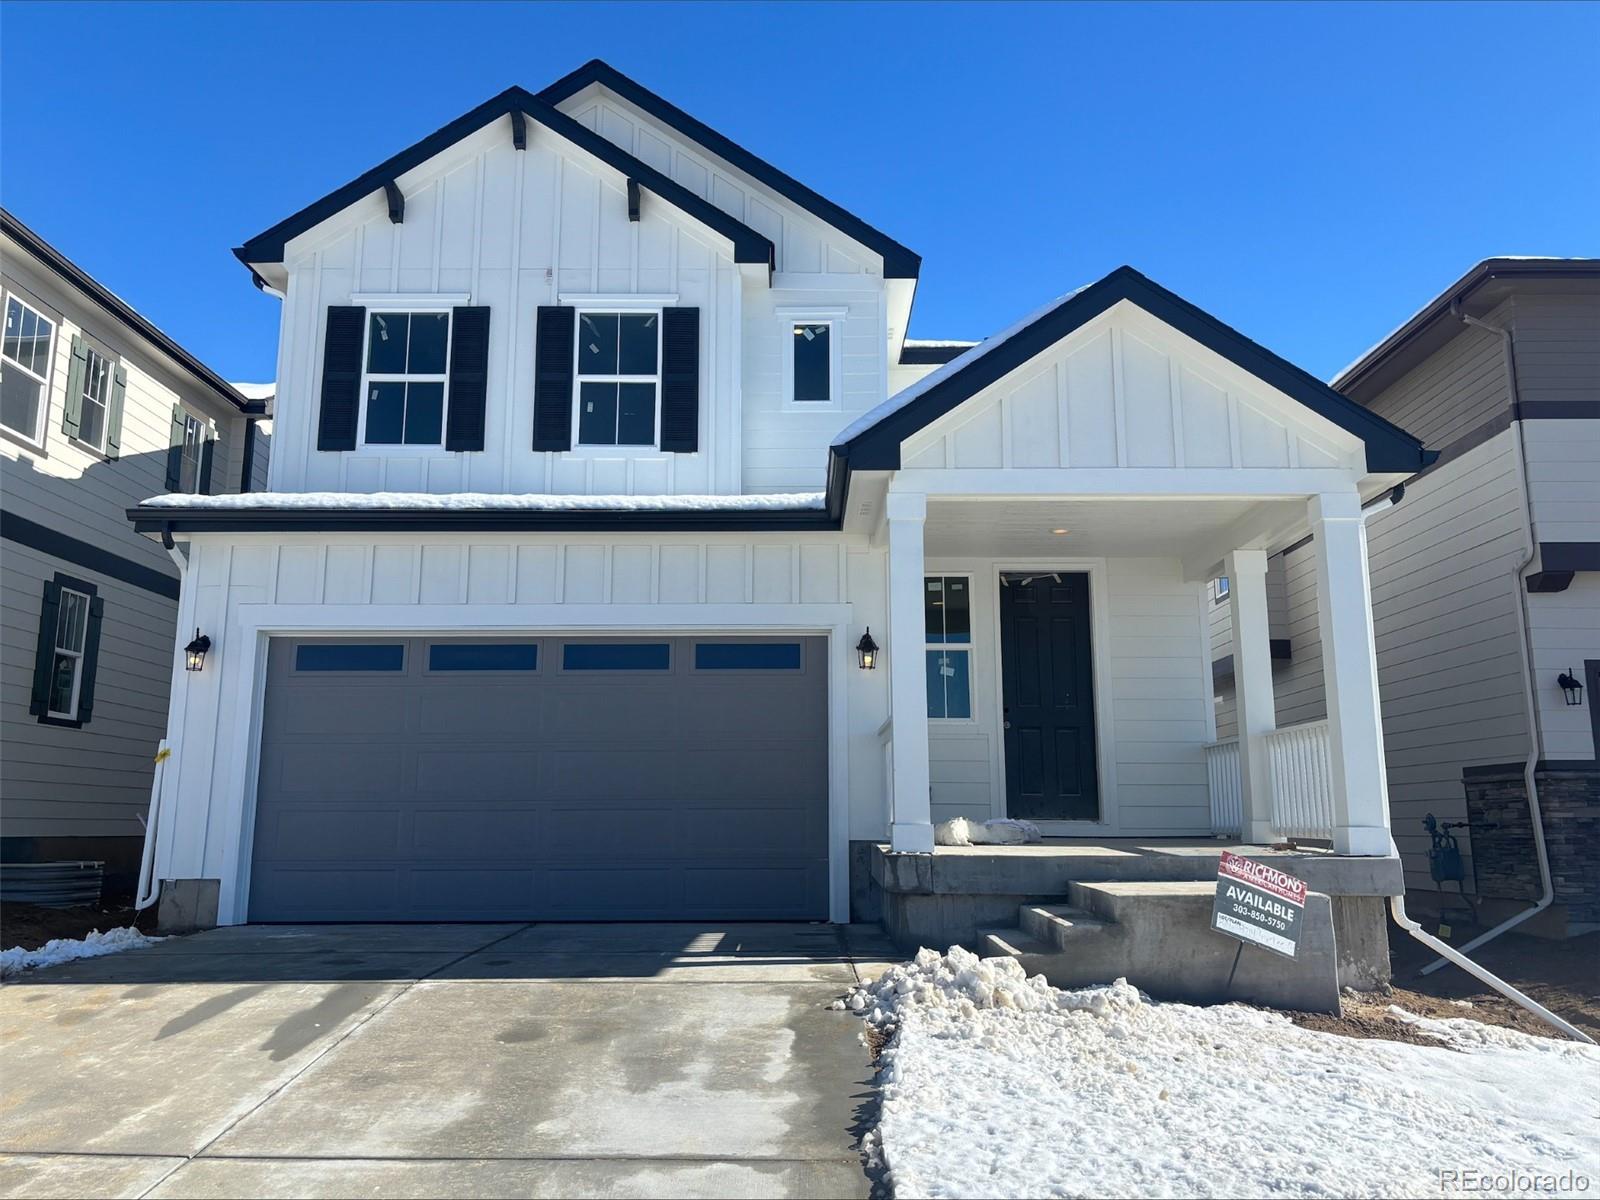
{"x": 303, "y": 520}
{"x": 106, "y": 299}
{"x": 935, "y": 356}
{"x": 1390, "y": 450}
{"x": 749, "y": 245}
{"x": 898, "y": 261}
{"x": 1489, "y": 269}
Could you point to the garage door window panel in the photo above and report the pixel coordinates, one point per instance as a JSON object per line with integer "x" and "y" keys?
{"x": 616, "y": 656}
{"x": 483, "y": 656}
{"x": 344, "y": 657}
{"x": 747, "y": 656}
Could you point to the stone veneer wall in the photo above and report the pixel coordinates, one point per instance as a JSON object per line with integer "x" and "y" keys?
{"x": 1502, "y": 834}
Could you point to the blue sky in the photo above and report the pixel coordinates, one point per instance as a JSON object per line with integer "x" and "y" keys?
{"x": 1310, "y": 174}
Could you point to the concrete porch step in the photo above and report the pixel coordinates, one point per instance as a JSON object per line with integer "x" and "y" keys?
{"x": 1158, "y": 936}
{"x": 1060, "y": 925}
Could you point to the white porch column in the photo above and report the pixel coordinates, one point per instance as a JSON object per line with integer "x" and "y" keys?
{"x": 1252, "y": 688}
{"x": 910, "y": 814}
{"x": 1350, "y": 674}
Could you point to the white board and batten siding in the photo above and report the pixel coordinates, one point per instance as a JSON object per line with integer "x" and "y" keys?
{"x": 1126, "y": 390}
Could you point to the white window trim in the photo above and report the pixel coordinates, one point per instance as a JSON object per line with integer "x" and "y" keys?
{"x": 1221, "y": 590}
{"x": 651, "y": 449}
{"x": 42, "y": 420}
{"x": 834, "y": 319}
{"x": 966, "y": 647}
{"x": 76, "y": 655}
{"x": 401, "y": 304}
{"x": 112, "y": 363}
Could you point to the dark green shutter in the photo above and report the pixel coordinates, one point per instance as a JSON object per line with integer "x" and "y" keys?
{"x": 469, "y": 379}
{"x": 91, "y": 660}
{"x": 119, "y": 392}
{"x": 206, "y": 448}
{"x": 680, "y": 380}
{"x": 175, "y": 450}
{"x": 72, "y": 417}
{"x": 552, "y": 378}
{"x": 341, "y": 378}
{"x": 44, "y": 657}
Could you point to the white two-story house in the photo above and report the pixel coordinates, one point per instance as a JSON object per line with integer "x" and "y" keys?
{"x": 98, "y": 409}
{"x": 622, "y": 558}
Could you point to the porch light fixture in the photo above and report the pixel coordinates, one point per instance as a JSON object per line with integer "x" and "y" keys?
{"x": 1059, "y": 532}
{"x": 867, "y": 651}
{"x": 1570, "y": 687}
{"x": 194, "y": 654}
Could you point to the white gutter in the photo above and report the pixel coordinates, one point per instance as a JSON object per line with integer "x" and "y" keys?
{"x": 150, "y": 887}
{"x": 1530, "y": 679}
{"x": 1397, "y": 904}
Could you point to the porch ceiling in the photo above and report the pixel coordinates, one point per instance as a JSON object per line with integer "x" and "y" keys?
{"x": 1141, "y": 528}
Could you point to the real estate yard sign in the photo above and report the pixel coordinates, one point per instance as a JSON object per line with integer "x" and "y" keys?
{"x": 1258, "y": 904}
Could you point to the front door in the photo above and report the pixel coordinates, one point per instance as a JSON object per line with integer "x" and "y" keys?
{"x": 1048, "y": 691}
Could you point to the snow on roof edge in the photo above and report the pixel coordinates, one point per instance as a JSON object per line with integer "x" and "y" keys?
{"x": 486, "y": 502}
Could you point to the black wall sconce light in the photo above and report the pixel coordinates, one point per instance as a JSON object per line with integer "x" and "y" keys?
{"x": 1570, "y": 687}
{"x": 867, "y": 651}
{"x": 194, "y": 654}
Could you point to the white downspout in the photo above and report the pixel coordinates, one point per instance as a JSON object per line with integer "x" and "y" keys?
{"x": 1530, "y": 679}
{"x": 1397, "y": 904}
{"x": 150, "y": 887}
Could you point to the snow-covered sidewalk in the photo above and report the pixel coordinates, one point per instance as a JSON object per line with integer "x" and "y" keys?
{"x": 996, "y": 1085}
{"x": 63, "y": 950}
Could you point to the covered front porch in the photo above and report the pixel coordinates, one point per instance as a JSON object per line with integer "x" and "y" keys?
{"x": 1049, "y": 659}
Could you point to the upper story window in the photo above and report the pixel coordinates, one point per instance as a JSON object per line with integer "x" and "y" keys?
{"x": 191, "y": 454}
{"x": 96, "y": 396}
{"x": 25, "y": 369}
{"x": 403, "y": 385}
{"x": 813, "y": 362}
{"x": 813, "y": 357}
{"x": 618, "y": 377}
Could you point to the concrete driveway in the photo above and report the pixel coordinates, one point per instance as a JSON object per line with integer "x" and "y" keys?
{"x": 443, "y": 1060}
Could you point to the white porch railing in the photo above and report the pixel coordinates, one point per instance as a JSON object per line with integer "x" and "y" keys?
{"x": 1227, "y": 793}
{"x": 1302, "y": 780}
{"x": 1300, "y": 766}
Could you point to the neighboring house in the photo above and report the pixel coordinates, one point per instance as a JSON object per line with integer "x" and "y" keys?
{"x": 1490, "y": 563}
{"x": 98, "y": 409}
{"x": 589, "y": 500}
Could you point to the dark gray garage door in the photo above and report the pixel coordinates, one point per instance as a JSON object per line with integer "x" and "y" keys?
{"x": 551, "y": 778}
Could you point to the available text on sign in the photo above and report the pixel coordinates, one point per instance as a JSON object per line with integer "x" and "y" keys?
{"x": 1258, "y": 904}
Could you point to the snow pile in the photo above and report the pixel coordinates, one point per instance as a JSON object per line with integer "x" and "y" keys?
{"x": 491, "y": 502}
{"x": 999, "y": 1085}
{"x": 998, "y": 831}
{"x": 64, "y": 950}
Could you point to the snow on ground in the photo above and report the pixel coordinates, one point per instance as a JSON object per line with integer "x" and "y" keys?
{"x": 63, "y": 950}
{"x": 493, "y": 501}
{"x": 998, "y": 1085}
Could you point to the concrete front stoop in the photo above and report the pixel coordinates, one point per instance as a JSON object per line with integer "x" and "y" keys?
{"x": 1158, "y": 936}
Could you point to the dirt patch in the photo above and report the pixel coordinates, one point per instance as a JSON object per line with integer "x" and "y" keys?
{"x": 31, "y": 925}
{"x": 1563, "y": 976}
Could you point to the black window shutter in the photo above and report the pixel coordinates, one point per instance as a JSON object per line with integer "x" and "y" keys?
{"x": 469, "y": 379}
{"x": 44, "y": 658}
{"x": 119, "y": 393}
{"x": 72, "y": 414}
{"x": 91, "y": 660}
{"x": 680, "y": 380}
{"x": 552, "y": 378}
{"x": 341, "y": 377}
{"x": 206, "y": 448}
{"x": 175, "y": 450}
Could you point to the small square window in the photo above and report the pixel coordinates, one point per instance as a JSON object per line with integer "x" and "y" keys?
{"x": 1220, "y": 590}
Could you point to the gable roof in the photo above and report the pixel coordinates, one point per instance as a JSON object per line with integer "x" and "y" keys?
{"x": 118, "y": 308}
{"x": 749, "y": 245}
{"x": 873, "y": 442}
{"x": 1420, "y": 335}
{"x": 898, "y": 261}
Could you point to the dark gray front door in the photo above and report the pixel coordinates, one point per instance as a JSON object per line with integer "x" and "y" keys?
{"x": 1047, "y": 688}
{"x": 638, "y": 778}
